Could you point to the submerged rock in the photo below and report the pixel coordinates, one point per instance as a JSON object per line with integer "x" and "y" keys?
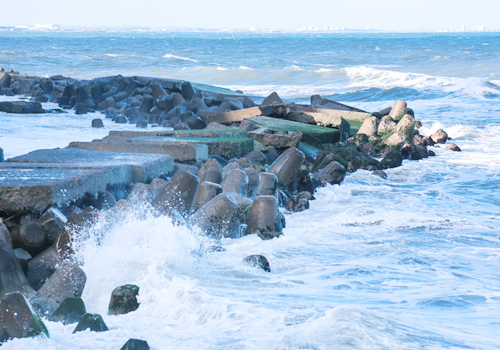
{"x": 135, "y": 344}
{"x": 18, "y": 319}
{"x": 123, "y": 300}
{"x": 70, "y": 311}
{"x": 454, "y": 147}
{"x": 259, "y": 261}
{"x": 439, "y": 136}
{"x": 93, "y": 322}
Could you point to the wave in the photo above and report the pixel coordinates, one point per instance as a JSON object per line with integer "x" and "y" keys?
{"x": 8, "y": 53}
{"x": 119, "y": 55}
{"x": 181, "y": 58}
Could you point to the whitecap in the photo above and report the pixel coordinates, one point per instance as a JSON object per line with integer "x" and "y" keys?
{"x": 168, "y": 55}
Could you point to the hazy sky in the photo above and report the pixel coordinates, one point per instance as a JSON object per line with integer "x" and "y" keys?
{"x": 235, "y": 14}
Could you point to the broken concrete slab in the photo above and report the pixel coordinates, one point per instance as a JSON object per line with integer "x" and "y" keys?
{"x": 227, "y": 147}
{"x": 242, "y": 114}
{"x": 212, "y": 133}
{"x": 179, "y": 151}
{"x": 324, "y": 135}
{"x": 319, "y": 102}
{"x": 34, "y": 190}
{"x": 121, "y": 168}
{"x": 279, "y": 139}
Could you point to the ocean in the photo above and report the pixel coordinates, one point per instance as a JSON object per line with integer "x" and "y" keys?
{"x": 411, "y": 262}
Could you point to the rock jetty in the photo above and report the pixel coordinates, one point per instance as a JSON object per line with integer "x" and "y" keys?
{"x": 227, "y": 167}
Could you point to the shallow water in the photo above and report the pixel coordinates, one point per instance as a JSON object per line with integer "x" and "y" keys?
{"x": 411, "y": 262}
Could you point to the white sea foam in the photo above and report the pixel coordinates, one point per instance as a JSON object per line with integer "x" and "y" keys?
{"x": 168, "y": 55}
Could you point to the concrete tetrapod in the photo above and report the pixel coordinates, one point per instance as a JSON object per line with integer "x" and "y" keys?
{"x": 12, "y": 278}
{"x": 236, "y": 181}
{"x": 268, "y": 185}
{"x": 206, "y": 192}
{"x": 210, "y": 171}
{"x": 218, "y": 217}
{"x": 287, "y": 165}
{"x": 179, "y": 194}
{"x": 264, "y": 218}
{"x": 67, "y": 281}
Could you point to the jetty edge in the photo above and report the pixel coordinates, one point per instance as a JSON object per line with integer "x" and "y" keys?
{"x": 222, "y": 164}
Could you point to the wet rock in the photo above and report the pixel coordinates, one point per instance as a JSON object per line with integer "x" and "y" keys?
{"x": 140, "y": 193}
{"x": 380, "y": 173}
{"x": 31, "y": 237}
{"x": 268, "y": 185}
{"x": 188, "y": 90}
{"x": 67, "y": 281}
{"x": 271, "y": 154}
{"x": 297, "y": 204}
{"x": 135, "y": 344}
{"x": 70, "y": 311}
{"x": 439, "y": 136}
{"x": 23, "y": 257}
{"x": 21, "y": 107}
{"x": 287, "y": 165}
{"x": 97, "y": 123}
{"x": 1, "y": 155}
{"x": 123, "y": 300}
{"x": 121, "y": 119}
{"x": 398, "y": 110}
{"x": 142, "y": 123}
{"x": 206, "y": 192}
{"x": 236, "y": 181}
{"x": 264, "y": 218}
{"x": 80, "y": 108}
{"x": 18, "y": 318}
{"x": 369, "y": 127}
{"x": 12, "y": 278}
{"x": 386, "y": 125}
{"x": 179, "y": 194}
{"x": 333, "y": 173}
{"x": 419, "y": 152}
{"x": 259, "y": 261}
{"x": 454, "y": 147}
{"x": 406, "y": 150}
{"x": 392, "y": 159}
{"x": 253, "y": 180}
{"x": 422, "y": 141}
{"x": 146, "y": 104}
{"x": 93, "y": 322}
{"x": 218, "y": 217}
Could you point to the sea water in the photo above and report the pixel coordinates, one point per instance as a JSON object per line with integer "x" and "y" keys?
{"x": 411, "y": 262}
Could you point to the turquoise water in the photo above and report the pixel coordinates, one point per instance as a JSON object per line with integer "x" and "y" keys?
{"x": 411, "y": 262}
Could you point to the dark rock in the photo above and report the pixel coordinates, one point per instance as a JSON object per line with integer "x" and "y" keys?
{"x": 248, "y": 125}
{"x": 392, "y": 159}
{"x": 195, "y": 123}
{"x": 121, "y": 119}
{"x": 271, "y": 154}
{"x": 141, "y": 124}
{"x": 454, "y": 147}
{"x": 146, "y": 104}
{"x": 22, "y": 256}
{"x": 187, "y": 90}
{"x": 70, "y": 311}
{"x": 380, "y": 173}
{"x": 297, "y": 204}
{"x": 93, "y": 322}
{"x": 21, "y": 107}
{"x": 158, "y": 91}
{"x": 264, "y": 218}
{"x": 12, "y": 278}
{"x": 259, "y": 261}
{"x": 31, "y": 237}
{"x": 419, "y": 152}
{"x": 80, "y": 108}
{"x": 123, "y": 300}
{"x": 256, "y": 157}
{"x": 53, "y": 222}
{"x": 273, "y": 98}
{"x": 1, "y": 155}
{"x": 439, "y": 136}
{"x": 18, "y": 319}
{"x": 97, "y": 123}
{"x": 253, "y": 179}
{"x": 181, "y": 126}
{"x": 135, "y": 344}
{"x": 333, "y": 173}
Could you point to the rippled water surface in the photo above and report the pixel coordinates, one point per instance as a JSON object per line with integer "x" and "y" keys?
{"x": 411, "y": 262}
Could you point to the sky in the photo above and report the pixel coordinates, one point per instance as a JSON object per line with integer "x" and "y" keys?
{"x": 391, "y": 15}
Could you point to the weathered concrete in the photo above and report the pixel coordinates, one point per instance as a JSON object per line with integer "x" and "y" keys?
{"x": 242, "y": 114}
{"x": 206, "y": 192}
{"x": 319, "y": 102}
{"x": 121, "y": 168}
{"x": 287, "y": 165}
{"x": 179, "y": 194}
{"x": 35, "y": 189}
{"x": 322, "y": 134}
{"x": 218, "y": 217}
{"x": 177, "y": 150}
{"x": 278, "y": 139}
{"x": 264, "y": 218}
{"x": 67, "y": 281}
